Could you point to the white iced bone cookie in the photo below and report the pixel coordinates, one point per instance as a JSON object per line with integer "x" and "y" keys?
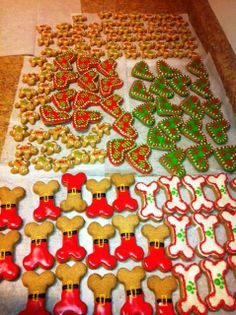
{"x": 172, "y": 188}
{"x": 224, "y": 199}
{"x": 179, "y": 242}
{"x": 190, "y": 301}
{"x": 195, "y": 186}
{"x": 208, "y": 244}
{"x": 229, "y": 220}
{"x": 149, "y": 209}
{"x": 219, "y": 295}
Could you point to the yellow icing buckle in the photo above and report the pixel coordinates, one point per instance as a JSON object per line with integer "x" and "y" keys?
{"x": 102, "y": 299}
{"x": 38, "y": 241}
{"x": 69, "y": 233}
{"x": 164, "y": 300}
{"x": 8, "y": 206}
{"x": 98, "y": 196}
{"x": 45, "y": 198}
{"x": 122, "y": 188}
{"x": 133, "y": 293}
{"x": 69, "y": 285}
{"x": 156, "y": 244}
{"x": 73, "y": 191}
{"x": 2, "y": 254}
{"x": 100, "y": 242}
{"x": 35, "y": 296}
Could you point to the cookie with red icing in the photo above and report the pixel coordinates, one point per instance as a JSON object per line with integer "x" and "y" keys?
{"x": 123, "y": 126}
{"x": 172, "y": 162}
{"x": 111, "y": 105}
{"x": 62, "y": 99}
{"x": 226, "y": 157}
{"x": 107, "y": 67}
{"x": 139, "y": 92}
{"x": 141, "y": 71}
{"x": 82, "y": 118}
{"x": 138, "y": 158}
{"x": 85, "y": 99}
{"x": 192, "y": 107}
{"x": 51, "y": 116}
{"x": 165, "y": 108}
{"x": 85, "y": 63}
{"x": 158, "y": 140}
{"x": 217, "y": 130}
{"x": 108, "y": 85}
{"x": 62, "y": 79}
{"x": 192, "y": 129}
{"x": 160, "y": 87}
{"x": 64, "y": 61}
{"x": 117, "y": 150}
{"x": 198, "y": 156}
{"x": 144, "y": 113}
{"x": 89, "y": 81}
{"x": 228, "y": 218}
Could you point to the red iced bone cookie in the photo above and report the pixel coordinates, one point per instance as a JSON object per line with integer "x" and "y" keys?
{"x": 74, "y": 199}
{"x": 62, "y": 79}
{"x": 128, "y": 247}
{"x": 163, "y": 288}
{"x": 111, "y": 105}
{"x": 51, "y": 116}
{"x": 70, "y": 277}
{"x": 179, "y": 246}
{"x": 63, "y": 61}
{"x": 199, "y": 200}
{"x": 101, "y": 254}
{"x": 156, "y": 258}
{"x": 70, "y": 246}
{"x": 135, "y": 303}
{"x": 224, "y": 199}
{"x": 89, "y": 81}
{"x": 39, "y": 255}
{"x": 99, "y": 205}
{"x": 9, "y": 199}
{"x": 190, "y": 300}
{"x": 63, "y": 98}
{"x": 108, "y": 85}
{"x": 219, "y": 296}
{"x": 124, "y": 201}
{"x": 46, "y": 208}
{"x": 84, "y": 63}
{"x": 107, "y": 68}
{"x": 8, "y": 269}
{"x": 82, "y": 118}
{"x": 102, "y": 287}
{"x": 117, "y": 149}
{"x": 229, "y": 220}
{"x": 174, "y": 202}
{"x": 84, "y": 99}
{"x": 138, "y": 158}
{"x": 123, "y": 126}
{"x": 37, "y": 285}
{"x": 208, "y": 245}
{"x": 147, "y": 193}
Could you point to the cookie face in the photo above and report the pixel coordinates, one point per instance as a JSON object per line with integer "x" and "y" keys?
{"x": 123, "y": 126}
{"x": 217, "y": 129}
{"x": 117, "y": 149}
{"x": 51, "y": 116}
{"x": 192, "y": 129}
{"x": 138, "y": 158}
{"x": 156, "y": 139}
{"x": 172, "y": 162}
{"x": 171, "y": 127}
{"x": 226, "y": 157}
{"x": 160, "y": 87}
{"x": 144, "y": 113}
{"x": 141, "y": 71}
{"x": 165, "y": 108}
{"x": 198, "y": 156}
{"x": 192, "y": 106}
{"x": 139, "y": 92}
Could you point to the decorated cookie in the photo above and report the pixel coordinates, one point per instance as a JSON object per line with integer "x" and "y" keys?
{"x": 138, "y": 91}
{"x": 50, "y": 147}
{"x": 164, "y": 70}
{"x": 217, "y": 129}
{"x": 84, "y": 99}
{"x": 229, "y": 220}
{"x": 141, "y": 71}
{"x": 190, "y": 300}
{"x": 198, "y": 156}
{"x": 128, "y": 247}
{"x": 135, "y": 302}
{"x": 90, "y": 139}
{"x": 37, "y": 61}
{"x": 165, "y": 108}
{"x": 29, "y": 116}
{"x": 79, "y": 157}
{"x": 111, "y": 105}
{"x": 70, "y": 277}
{"x": 199, "y": 201}
{"x": 27, "y": 93}
{"x": 101, "y": 253}
{"x": 117, "y": 149}
{"x": 30, "y": 78}
{"x": 163, "y": 288}
{"x": 202, "y": 88}
{"x": 19, "y": 166}
{"x": 89, "y": 81}
{"x": 85, "y": 63}
{"x": 71, "y": 140}
{"x": 197, "y": 67}
{"x": 64, "y": 61}
{"x": 97, "y": 155}
{"x": 179, "y": 246}
{"x": 62, "y": 79}
{"x": 19, "y": 133}
{"x": 51, "y": 116}
{"x": 171, "y": 127}
{"x": 108, "y": 85}
{"x": 157, "y": 139}
{"x": 192, "y": 106}
{"x": 82, "y": 118}
{"x": 58, "y": 131}
{"x": 144, "y": 113}
{"x": 62, "y": 164}
{"x": 192, "y": 129}
{"x": 147, "y": 193}
{"x": 224, "y": 199}
{"x": 123, "y": 126}
{"x": 156, "y": 258}
{"x": 39, "y": 255}
{"x": 208, "y": 244}
{"x": 25, "y": 105}
{"x": 172, "y": 162}
{"x": 107, "y": 67}
{"x": 179, "y": 86}
{"x": 45, "y": 88}
{"x": 160, "y": 87}
{"x": 70, "y": 245}
{"x": 219, "y": 296}
{"x": 101, "y": 129}
{"x": 26, "y": 151}
{"x": 212, "y": 109}
{"x": 42, "y": 162}
{"x": 62, "y": 99}
{"x": 174, "y": 201}
{"x": 226, "y": 157}
{"x": 138, "y": 159}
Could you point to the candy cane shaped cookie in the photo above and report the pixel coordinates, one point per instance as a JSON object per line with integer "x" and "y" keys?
{"x": 195, "y": 186}
{"x": 172, "y": 188}
{"x": 190, "y": 301}
{"x": 224, "y": 199}
{"x": 219, "y": 295}
{"x": 179, "y": 242}
{"x": 208, "y": 244}
{"x": 229, "y": 220}
{"x": 149, "y": 209}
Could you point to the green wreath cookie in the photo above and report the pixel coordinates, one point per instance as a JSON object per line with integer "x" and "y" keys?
{"x": 172, "y": 162}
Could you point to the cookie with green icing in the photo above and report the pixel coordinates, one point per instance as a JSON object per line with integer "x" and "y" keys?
{"x": 202, "y": 88}
{"x": 160, "y": 87}
{"x": 212, "y": 108}
{"x": 178, "y": 74}
{"x": 197, "y": 67}
{"x": 217, "y": 129}
{"x": 141, "y": 71}
{"x": 144, "y": 113}
{"x": 138, "y": 158}
{"x": 198, "y": 156}
{"x": 192, "y": 106}
{"x": 171, "y": 127}
{"x": 226, "y": 157}
{"x": 192, "y": 129}
{"x": 117, "y": 149}
{"x": 157, "y": 139}
{"x": 138, "y": 91}
{"x": 164, "y": 70}
{"x": 179, "y": 86}
{"x": 165, "y": 108}
{"x": 172, "y": 162}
